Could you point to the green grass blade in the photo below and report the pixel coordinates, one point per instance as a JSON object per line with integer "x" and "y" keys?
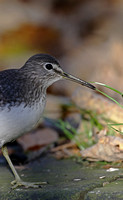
{"x": 110, "y": 98}
{"x": 115, "y": 129}
{"x": 116, "y": 124}
{"x": 102, "y": 84}
{"x": 64, "y": 127}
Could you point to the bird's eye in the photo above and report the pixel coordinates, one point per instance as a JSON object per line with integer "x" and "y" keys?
{"x": 48, "y": 66}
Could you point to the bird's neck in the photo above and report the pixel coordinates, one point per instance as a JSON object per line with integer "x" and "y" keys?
{"x": 34, "y": 90}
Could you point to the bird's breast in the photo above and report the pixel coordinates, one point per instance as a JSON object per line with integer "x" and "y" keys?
{"x": 18, "y": 120}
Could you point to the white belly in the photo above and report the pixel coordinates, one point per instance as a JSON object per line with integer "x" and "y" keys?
{"x": 17, "y": 121}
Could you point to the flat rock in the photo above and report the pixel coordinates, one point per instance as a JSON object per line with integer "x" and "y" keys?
{"x": 67, "y": 180}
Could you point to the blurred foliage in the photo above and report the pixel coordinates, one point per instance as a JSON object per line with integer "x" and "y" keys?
{"x": 30, "y": 37}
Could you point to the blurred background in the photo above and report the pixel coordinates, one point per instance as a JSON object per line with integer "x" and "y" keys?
{"x": 85, "y": 35}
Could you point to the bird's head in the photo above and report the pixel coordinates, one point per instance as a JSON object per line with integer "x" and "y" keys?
{"x": 47, "y": 69}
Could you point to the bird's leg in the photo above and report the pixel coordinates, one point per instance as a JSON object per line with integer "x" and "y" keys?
{"x": 18, "y": 182}
{"x": 6, "y": 155}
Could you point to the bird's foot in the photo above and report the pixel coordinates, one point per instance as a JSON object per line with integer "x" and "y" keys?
{"x": 19, "y": 183}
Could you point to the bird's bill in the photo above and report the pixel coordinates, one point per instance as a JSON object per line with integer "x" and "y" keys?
{"x": 77, "y": 80}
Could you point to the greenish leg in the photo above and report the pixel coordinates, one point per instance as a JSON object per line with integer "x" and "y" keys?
{"x": 18, "y": 182}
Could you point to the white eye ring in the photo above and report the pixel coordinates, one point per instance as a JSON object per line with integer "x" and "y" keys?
{"x": 48, "y": 66}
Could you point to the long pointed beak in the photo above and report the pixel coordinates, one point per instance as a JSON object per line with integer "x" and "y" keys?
{"x": 77, "y": 80}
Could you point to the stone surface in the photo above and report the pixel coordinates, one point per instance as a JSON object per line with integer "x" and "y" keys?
{"x": 67, "y": 180}
{"x": 110, "y": 191}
